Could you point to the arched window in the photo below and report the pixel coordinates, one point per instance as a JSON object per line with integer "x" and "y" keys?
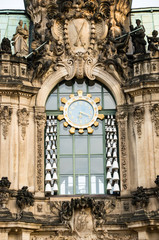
{"x": 81, "y": 163}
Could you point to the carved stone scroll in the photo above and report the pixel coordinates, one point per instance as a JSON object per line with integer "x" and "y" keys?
{"x": 23, "y": 120}
{"x": 122, "y": 124}
{"x": 5, "y": 119}
{"x": 138, "y": 119}
{"x": 154, "y": 110}
{"x": 40, "y": 119}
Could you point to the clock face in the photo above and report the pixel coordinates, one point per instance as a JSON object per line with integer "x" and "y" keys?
{"x": 80, "y": 112}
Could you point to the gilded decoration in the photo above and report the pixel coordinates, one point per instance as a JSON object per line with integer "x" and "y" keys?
{"x": 79, "y": 35}
{"x": 80, "y": 112}
{"x": 5, "y": 119}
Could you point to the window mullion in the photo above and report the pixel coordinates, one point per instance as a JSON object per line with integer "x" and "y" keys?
{"x": 74, "y": 168}
{"x": 89, "y": 167}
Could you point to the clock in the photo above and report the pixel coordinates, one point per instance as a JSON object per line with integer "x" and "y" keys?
{"x": 80, "y": 112}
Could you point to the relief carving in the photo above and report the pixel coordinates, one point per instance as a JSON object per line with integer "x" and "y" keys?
{"x": 23, "y": 120}
{"x": 79, "y": 35}
{"x": 40, "y": 119}
{"x": 154, "y": 110}
{"x": 139, "y": 119}
{"x": 122, "y": 123}
{"x": 5, "y": 119}
{"x": 83, "y": 216}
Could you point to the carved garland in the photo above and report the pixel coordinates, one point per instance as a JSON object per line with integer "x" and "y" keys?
{"x": 40, "y": 119}
{"x": 139, "y": 119}
{"x": 122, "y": 122}
{"x": 154, "y": 110}
{"x": 5, "y": 119}
{"x": 23, "y": 120}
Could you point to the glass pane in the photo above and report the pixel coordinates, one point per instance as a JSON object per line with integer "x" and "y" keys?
{"x": 95, "y": 87}
{"x": 98, "y": 94}
{"x": 66, "y": 165}
{"x": 81, "y": 144}
{"x": 81, "y": 165}
{"x": 51, "y": 103}
{"x": 97, "y": 165}
{"x": 96, "y": 144}
{"x": 66, "y": 185}
{"x": 66, "y": 144}
{"x": 99, "y": 129}
{"x": 63, "y": 130}
{"x": 81, "y": 184}
{"x": 65, "y": 87}
{"x": 80, "y": 85}
{"x": 97, "y": 184}
{"x": 64, "y": 95}
{"x": 109, "y": 102}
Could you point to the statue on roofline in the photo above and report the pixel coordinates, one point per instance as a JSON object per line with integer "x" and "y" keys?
{"x": 138, "y": 38}
{"x": 153, "y": 42}
{"x": 20, "y": 39}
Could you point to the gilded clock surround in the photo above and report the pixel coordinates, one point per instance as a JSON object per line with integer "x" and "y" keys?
{"x": 88, "y": 125}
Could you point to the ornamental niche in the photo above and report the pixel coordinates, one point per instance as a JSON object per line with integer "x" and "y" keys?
{"x": 79, "y": 35}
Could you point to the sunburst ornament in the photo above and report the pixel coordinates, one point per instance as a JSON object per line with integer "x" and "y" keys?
{"x": 80, "y": 112}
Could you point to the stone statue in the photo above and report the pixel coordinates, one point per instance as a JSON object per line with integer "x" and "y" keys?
{"x": 5, "y": 45}
{"x": 153, "y": 42}
{"x": 138, "y": 38}
{"x": 20, "y": 40}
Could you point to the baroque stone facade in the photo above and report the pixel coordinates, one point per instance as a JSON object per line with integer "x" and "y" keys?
{"x": 78, "y": 39}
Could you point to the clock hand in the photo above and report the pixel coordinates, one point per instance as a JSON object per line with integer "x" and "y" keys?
{"x": 80, "y": 116}
{"x": 85, "y": 114}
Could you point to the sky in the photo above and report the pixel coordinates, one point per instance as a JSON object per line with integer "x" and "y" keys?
{"x": 18, "y": 4}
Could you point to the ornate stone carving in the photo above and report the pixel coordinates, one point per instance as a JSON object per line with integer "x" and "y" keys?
{"x": 139, "y": 119}
{"x": 156, "y": 190}
{"x": 138, "y": 38}
{"x": 140, "y": 199}
{"x": 126, "y": 206}
{"x": 155, "y": 117}
{"x": 97, "y": 211}
{"x": 121, "y": 118}
{"x": 125, "y": 235}
{"x": 23, "y": 120}
{"x": 20, "y": 39}
{"x": 5, "y": 45}
{"x": 122, "y": 236}
{"x": 24, "y": 198}
{"x": 5, "y": 119}
{"x": 40, "y": 119}
{"x": 4, "y": 191}
{"x": 39, "y": 207}
{"x": 79, "y": 35}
